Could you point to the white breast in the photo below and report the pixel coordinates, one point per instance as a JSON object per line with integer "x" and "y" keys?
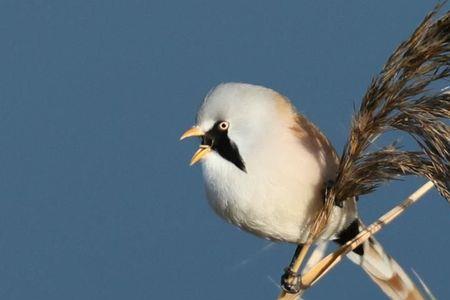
{"x": 277, "y": 197}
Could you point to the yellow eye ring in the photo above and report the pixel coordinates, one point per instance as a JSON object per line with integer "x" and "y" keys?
{"x": 224, "y": 125}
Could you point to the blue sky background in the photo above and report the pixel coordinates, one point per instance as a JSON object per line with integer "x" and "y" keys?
{"x": 97, "y": 200}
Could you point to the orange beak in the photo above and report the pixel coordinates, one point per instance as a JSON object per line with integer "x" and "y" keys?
{"x": 203, "y": 149}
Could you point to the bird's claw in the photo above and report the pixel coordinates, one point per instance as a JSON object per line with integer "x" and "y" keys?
{"x": 291, "y": 281}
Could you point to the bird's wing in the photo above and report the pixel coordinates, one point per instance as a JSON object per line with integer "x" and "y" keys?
{"x": 311, "y": 137}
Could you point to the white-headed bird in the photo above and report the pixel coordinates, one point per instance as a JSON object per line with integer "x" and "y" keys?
{"x": 265, "y": 168}
{"x": 269, "y": 171}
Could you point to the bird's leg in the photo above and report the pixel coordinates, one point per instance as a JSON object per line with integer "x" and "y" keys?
{"x": 291, "y": 279}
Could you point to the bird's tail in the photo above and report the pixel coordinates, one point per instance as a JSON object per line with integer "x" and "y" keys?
{"x": 385, "y": 271}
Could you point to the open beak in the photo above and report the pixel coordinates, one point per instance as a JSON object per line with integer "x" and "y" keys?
{"x": 200, "y": 153}
{"x": 203, "y": 149}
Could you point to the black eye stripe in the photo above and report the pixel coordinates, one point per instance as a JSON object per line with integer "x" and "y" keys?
{"x": 207, "y": 140}
{"x": 219, "y": 141}
{"x": 230, "y": 152}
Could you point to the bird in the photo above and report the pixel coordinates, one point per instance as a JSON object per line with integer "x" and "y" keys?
{"x": 265, "y": 167}
{"x": 268, "y": 170}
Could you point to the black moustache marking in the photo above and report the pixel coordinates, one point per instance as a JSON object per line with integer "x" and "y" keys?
{"x": 220, "y": 142}
{"x": 207, "y": 140}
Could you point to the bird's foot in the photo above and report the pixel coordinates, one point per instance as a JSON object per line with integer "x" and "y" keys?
{"x": 291, "y": 281}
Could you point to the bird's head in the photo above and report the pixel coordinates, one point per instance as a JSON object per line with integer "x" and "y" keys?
{"x": 235, "y": 121}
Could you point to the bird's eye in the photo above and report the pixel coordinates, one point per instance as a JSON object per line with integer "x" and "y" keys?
{"x": 224, "y": 125}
